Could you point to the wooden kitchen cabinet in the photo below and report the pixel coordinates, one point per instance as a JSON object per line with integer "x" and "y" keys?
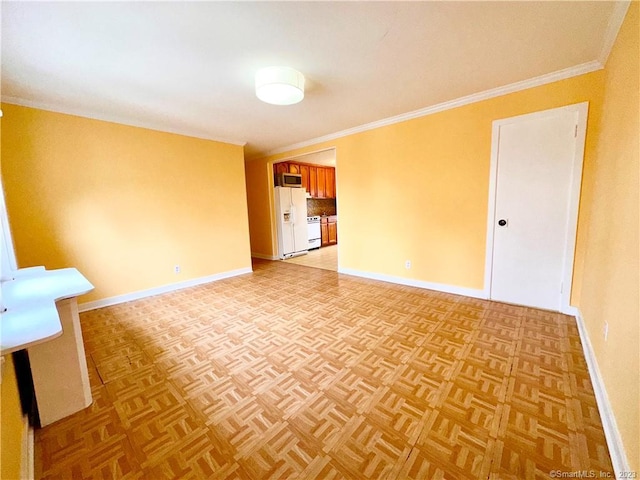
{"x": 282, "y": 167}
{"x": 304, "y": 171}
{"x": 279, "y": 168}
{"x": 330, "y": 182}
{"x": 322, "y": 182}
{"x": 294, "y": 168}
{"x": 319, "y": 181}
{"x": 329, "y": 230}
{"x": 313, "y": 181}
{"x": 326, "y": 182}
{"x": 324, "y": 234}
{"x": 332, "y": 233}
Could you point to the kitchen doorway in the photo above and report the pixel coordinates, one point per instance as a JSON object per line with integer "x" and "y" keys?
{"x": 317, "y": 176}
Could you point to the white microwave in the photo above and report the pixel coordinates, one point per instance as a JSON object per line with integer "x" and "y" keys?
{"x": 290, "y": 180}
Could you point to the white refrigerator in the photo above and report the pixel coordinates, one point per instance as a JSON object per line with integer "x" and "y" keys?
{"x": 291, "y": 215}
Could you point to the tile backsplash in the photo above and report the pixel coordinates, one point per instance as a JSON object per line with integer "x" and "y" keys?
{"x": 321, "y": 206}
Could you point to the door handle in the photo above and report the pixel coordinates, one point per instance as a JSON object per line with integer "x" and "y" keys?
{"x": 503, "y": 222}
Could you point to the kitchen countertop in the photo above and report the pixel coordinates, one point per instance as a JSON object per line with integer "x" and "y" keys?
{"x": 29, "y": 313}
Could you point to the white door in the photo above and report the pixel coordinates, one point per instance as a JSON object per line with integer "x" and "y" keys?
{"x": 537, "y": 167}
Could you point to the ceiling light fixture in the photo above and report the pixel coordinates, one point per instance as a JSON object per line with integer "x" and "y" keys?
{"x": 279, "y": 85}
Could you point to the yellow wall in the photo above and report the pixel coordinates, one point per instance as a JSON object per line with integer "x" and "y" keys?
{"x": 10, "y": 416}
{"x": 610, "y": 287}
{"x": 122, "y": 204}
{"x": 259, "y": 181}
{"x": 10, "y": 423}
{"x": 418, "y": 190}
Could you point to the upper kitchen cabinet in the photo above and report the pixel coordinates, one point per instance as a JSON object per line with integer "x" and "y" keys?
{"x": 313, "y": 181}
{"x": 319, "y": 181}
{"x": 322, "y": 182}
{"x": 281, "y": 168}
{"x": 330, "y": 182}
{"x": 294, "y": 168}
{"x": 304, "y": 171}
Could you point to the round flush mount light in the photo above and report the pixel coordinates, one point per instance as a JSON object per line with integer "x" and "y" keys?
{"x": 279, "y": 85}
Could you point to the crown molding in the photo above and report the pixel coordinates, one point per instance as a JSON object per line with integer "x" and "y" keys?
{"x": 79, "y": 112}
{"x": 440, "y": 107}
{"x": 613, "y": 27}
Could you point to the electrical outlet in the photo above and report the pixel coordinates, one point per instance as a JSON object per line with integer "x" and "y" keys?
{"x": 176, "y": 269}
{"x": 605, "y": 330}
{"x": 407, "y": 264}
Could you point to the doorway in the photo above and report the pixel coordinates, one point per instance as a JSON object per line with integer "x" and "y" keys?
{"x": 536, "y": 171}
{"x": 317, "y": 171}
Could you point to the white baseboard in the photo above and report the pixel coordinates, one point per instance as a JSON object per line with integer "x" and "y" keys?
{"x": 439, "y": 287}
{"x": 264, "y": 257}
{"x": 127, "y": 297}
{"x": 611, "y": 432}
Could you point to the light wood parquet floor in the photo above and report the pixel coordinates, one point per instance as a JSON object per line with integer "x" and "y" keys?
{"x": 301, "y": 373}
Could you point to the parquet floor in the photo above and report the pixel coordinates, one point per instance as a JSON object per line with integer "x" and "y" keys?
{"x": 301, "y": 373}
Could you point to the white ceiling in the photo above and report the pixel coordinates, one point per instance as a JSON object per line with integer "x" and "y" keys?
{"x": 188, "y": 67}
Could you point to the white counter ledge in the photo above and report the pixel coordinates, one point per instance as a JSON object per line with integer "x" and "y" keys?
{"x": 29, "y": 313}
